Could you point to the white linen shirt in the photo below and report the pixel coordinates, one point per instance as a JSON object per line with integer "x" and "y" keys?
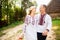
{"x": 46, "y": 25}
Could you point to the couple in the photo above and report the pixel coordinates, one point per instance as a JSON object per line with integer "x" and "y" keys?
{"x": 37, "y": 26}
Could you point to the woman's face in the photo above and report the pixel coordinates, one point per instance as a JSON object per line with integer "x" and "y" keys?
{"x": 33, "y": 11}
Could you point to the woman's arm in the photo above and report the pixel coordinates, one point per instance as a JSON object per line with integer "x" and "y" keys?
{"x": 24, "y": 28}
{"x": 25, "y": 24}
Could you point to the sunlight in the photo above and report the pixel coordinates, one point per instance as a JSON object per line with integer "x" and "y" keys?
{"x": 40, "y": 2}
{"x": 18, "y": 3}
{"x": 46, "y": 2}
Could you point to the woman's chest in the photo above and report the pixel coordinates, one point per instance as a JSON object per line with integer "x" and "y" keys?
{"x": 31, "y": 20}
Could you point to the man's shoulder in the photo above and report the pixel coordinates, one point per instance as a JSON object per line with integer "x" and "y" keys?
{"x": 47, "y": 15}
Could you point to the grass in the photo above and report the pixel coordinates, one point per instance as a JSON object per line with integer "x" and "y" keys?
{"x": 56, "y": 23}
{"x": 10, "y": 26}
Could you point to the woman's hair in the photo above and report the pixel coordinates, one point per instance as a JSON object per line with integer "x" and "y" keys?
{"x": 30, "y": 12}
{"x": 31, "y": 8}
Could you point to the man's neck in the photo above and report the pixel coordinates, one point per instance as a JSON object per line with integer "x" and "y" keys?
{"x": 43, "y": 13}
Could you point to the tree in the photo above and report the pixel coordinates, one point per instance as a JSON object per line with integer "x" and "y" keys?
{"x": 24, "y": 5}
{"x": 0, "y": 11}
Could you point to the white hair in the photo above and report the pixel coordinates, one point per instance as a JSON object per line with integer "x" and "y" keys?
{"x": 32, "y": 7}
{"x": 29, "y": 9}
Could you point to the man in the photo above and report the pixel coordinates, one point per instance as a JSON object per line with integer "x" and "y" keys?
{"x": 44, "y": 23}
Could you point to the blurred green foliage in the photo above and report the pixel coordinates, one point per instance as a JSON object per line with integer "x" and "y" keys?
{"x": 10, "y": 12}
{"x": 56, "y": 23}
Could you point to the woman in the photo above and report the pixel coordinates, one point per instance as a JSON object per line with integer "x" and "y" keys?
{"x": 29, "y": 30}
{"x": 44, "y": 23}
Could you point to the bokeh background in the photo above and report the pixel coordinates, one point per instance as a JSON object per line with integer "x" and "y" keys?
{"x": 13, "y": 12}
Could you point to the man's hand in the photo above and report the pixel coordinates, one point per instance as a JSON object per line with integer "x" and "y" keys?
{"x": 45, "y": 33}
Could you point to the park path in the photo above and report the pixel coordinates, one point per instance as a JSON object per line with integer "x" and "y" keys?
{"x": 14, "y": 33}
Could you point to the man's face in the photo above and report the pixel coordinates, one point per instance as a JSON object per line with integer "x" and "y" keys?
{"x": 42, "y": 9}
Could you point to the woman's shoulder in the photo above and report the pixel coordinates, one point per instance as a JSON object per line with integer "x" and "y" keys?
{"x": 27, "y": 16}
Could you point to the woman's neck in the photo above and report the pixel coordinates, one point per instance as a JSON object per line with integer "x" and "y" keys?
{"x": 32, "y": 15}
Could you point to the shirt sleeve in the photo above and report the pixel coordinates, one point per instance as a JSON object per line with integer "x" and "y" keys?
{"x": 25, "y": 24}
{"x": 49, "y": 23}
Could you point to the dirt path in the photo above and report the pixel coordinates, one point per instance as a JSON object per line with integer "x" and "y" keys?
{"x": 14, "y": 33}
{"x": 51, "y": 35}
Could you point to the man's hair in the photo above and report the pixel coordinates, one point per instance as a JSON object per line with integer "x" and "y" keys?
{"x": 45, "y": 7}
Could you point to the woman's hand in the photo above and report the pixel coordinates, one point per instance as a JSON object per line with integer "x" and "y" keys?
{"x": 45, "y": 33}
{"x": 21, "y": 37}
